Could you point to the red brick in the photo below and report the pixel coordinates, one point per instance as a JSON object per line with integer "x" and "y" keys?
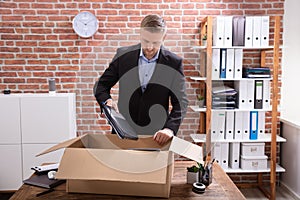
{"x": 84, "y": 5}
{"x": 36, "y": 80}
{"x": 48, "y": 12}
{"x": 11, "y": 37}
{"x": 29, "y": 87}
{"x": 106, "y": 12}
{"x": 49, "y": 55}
{"x": 35, "y": 68}
{"x": 42, "y": 74}
{"x": 26, "y": 56}
{"x": 8, "y": 5}
{"x": 14, "y": 80}
{"x": 42, "y": 5}
{"x": 8, "y": 74}
{"x": 34, "y": 37}
{"x": 6, "y": 55}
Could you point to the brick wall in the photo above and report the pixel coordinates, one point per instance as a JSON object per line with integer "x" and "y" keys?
{"x": 38, "y": 42}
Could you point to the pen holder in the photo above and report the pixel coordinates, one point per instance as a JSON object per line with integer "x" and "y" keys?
{"x": 205, "y": 176}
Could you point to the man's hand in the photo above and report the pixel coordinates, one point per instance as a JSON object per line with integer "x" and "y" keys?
{"x": 163, "y": 136}
{"x": 112, "y": 104}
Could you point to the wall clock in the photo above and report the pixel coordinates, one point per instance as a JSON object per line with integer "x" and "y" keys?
{"x": 85, "y": 24}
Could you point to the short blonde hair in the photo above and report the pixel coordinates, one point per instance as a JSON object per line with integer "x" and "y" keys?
{"x": 153, "y": 23}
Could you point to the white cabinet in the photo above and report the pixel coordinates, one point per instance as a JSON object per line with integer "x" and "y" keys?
{"x": 31, "y": 123}
{"x": 10, "y": 167}
{"x": 50, "y": 116}
{"x": 10, "y": 120}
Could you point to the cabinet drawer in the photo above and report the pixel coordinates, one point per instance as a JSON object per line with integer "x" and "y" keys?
{"x": 10, "y": 167}
{"x": 10, "y": 119}
{"x": 254, "y": 162}
{"x": 253, "y": 149}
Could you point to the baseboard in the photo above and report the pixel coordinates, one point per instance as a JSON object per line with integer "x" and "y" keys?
{"x": 290, "y": 191}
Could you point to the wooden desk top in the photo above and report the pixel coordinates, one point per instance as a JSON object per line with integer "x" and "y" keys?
{"x": 221, "y": 187}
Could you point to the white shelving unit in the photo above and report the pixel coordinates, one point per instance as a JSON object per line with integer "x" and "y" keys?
{"x": 206, "y": 113}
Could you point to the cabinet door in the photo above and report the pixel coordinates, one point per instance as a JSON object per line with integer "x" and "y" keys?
{"x": 30, "y": 160}
{"x": 10, "y": 120}
{"x": 47, "y": 119}
{"x": 10, "y": 167}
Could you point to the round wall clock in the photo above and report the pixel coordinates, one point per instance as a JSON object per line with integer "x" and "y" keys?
{"x": 85, "y": 24}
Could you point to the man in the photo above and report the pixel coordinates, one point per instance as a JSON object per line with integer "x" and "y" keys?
{"x": 150, "y": 77}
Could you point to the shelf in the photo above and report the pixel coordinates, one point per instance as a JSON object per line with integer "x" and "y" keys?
{"x": 236, "y": 47}
{"x": 278, "y": 169}
{"x": 243, "y": 47}
{"x": 241, "y": 110}
{"x": 198, "y": 109}
{"x": 201, "y": 138}
{"x": 240, "y": 79}
{"x": 198, "y": 78}
{"x": 199, "y": 47}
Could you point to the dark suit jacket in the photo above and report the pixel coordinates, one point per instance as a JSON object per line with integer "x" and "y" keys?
{"x": 148, "y": 111}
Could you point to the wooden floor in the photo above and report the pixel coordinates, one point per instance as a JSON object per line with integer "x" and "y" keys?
{"x": 254, "y": 193}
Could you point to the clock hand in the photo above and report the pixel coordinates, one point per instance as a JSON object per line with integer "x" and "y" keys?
{"x": 81, "y": 22}
{"x": 89, "y": 21}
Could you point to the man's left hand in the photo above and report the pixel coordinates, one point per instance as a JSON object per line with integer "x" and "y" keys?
{"x": 163, "y": 136}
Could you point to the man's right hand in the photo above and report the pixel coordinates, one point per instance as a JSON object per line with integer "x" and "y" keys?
{"x": 112, "y": 104}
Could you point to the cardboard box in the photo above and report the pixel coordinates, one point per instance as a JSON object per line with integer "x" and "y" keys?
{"x": 105, "y": 164}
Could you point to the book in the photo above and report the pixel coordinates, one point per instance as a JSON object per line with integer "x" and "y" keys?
{"x": 256, "y": 72}
{"x": 43, "y": 181}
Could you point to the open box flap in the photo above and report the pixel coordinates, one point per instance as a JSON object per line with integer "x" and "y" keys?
{"x": 114, "y": 165}
{"x": 74, "y": 142}
{"x": 112, "y": 141}
{"x": 186, "y": 149}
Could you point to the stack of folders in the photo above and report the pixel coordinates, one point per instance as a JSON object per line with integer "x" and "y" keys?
{"x": 223, "y": 97}
{"x": 249, "y": 31}
{"x": 256, "y": 72}
{"x": 227, "y": 63}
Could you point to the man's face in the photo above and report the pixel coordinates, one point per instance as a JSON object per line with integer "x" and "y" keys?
{"x": 151, "y": 42}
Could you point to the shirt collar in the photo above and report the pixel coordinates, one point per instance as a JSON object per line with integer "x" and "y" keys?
{"x": 146, "y": 59}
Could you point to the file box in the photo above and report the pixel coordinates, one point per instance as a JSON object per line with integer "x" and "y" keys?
{"x": 253, "y": 149}
{"x": 254, "y": 162}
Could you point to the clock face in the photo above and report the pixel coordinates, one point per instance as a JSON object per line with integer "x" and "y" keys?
{"x": 85, "y": 24}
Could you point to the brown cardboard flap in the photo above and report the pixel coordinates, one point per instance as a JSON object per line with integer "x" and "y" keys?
{"x": 186, "y": 149}
{"x": 112, "y": 141}
{"x": 114, "y": 165}
{"x": 74, "y": 142}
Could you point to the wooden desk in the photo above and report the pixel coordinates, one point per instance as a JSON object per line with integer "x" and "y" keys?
{"x": 221, "y": 187}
